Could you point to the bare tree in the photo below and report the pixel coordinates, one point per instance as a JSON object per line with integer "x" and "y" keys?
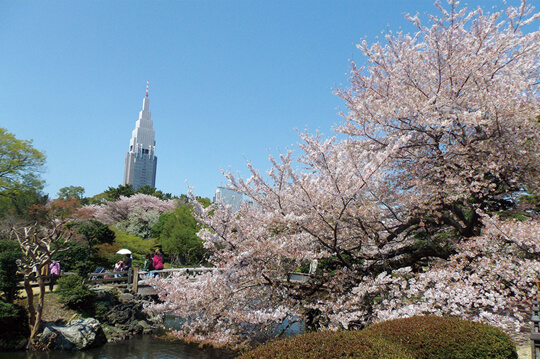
{"x": 39, "y": 244}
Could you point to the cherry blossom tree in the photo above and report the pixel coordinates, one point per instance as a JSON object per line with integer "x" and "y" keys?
{"x": 398, "y": 208}
{"x": 113, "y": 212}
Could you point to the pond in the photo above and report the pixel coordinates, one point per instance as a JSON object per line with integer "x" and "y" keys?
{"x": 142, "y": 347}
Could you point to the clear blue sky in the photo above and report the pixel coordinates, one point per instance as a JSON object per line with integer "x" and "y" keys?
{"x": 230, "y": 81}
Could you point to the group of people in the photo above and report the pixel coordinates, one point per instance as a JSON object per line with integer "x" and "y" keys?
{"x": 151, "y": 263}
{"x": 123, "y": 265}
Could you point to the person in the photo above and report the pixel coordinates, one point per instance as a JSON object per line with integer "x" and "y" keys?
{"x": 160, "y": 253}
{"x": 118, "y": 267}
{"x": 127, "y": 262}
{"x": 157, "y": 261}
{"x": 54, "y": 268}
{"x": 148, "y": 263}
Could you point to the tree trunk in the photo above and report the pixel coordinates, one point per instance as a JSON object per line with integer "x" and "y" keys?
{"x": 30, "y": 301}
{"x": 39, "y": 312}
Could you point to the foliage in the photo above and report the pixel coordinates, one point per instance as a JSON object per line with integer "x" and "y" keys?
{"x": 327, "y": 344}
{"x": 136, "y": 244}
{"x": 75, "y": 257}
{"x": 152, "y": 191}
{"x": 20, "y": 163}
{"x": 74, "y": 293}
{"x": 432, "y": 337}
{"x": 9, "y": 279}
{"x": 158, "y": 227}
{"x": 179, "y": 239}
{"x": 18, "y": 202}
{"x": 95, "y": 232}
{"x": 14, "y": 321}
{"x": 71, "y": 192}
{"x": 114, "y": 194}
{"x": 441, "y": 131}
{"x": 428, "y": 337}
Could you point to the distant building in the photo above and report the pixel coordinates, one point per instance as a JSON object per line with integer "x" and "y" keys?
{"x": 228, "y": 196}
{"x": 141, "y": 161}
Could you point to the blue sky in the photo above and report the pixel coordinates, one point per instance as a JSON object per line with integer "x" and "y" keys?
{"x": 230, "y": 81}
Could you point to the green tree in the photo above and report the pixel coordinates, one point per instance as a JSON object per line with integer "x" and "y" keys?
{"x": 179, "y": 239}
{"x": 17, "y": 202}
{"x": 158, "y": 228}
{"x": 71, "y": 192}
{"x": 20, "y": 185}
{"x": 83, "y": 254}
{"x": 139, "y": 247}
{"x": 113, "y": 194}
{"x": 153, "y": 191}
{"x": 94, "y": 234}
{"x": 9, "y": 253}
{"x": 20, "y": 163}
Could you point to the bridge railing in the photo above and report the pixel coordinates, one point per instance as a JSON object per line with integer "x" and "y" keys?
{"x": 123, "y": 277}
{"x": 164, "y": 273}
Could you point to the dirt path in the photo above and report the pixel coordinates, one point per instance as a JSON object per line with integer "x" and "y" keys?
{"x": 52, "y": 309}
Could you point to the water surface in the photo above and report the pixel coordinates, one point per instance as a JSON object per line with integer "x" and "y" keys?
{"x": 142, "y": 347}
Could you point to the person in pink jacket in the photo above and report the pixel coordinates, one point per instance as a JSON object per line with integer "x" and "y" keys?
{"x": 157, "y": 261}
{"x": 54, "y": 268}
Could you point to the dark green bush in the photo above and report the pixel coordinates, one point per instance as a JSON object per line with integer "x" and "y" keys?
{"x": 432, "y": 337}
{"x": 317, "y": 345}
{"x": 14, "y": 324}
{"x": 9, "y": 253}
{"x": 74, "y": 294}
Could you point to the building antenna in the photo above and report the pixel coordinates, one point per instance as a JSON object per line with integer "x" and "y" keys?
{"x": 147, "y": 87}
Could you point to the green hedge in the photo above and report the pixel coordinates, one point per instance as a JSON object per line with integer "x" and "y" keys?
{"x": 318, "y": 345}
{"x": 432, "y": 337}
{"x": 427, "y": 337}
{"x": 13, "y": 325}
{"x": 74, "y": 294}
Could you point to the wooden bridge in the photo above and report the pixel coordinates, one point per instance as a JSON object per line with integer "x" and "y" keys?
{"x": 135, "y": 280}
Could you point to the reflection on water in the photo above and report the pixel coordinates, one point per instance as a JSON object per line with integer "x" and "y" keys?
{"x": 142, "y": 347}
{"x": 145, "y": 347}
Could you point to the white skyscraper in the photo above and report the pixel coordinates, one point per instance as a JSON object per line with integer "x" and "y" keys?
{"x": 228, "y": 196}
{"x": 141, "y": 161}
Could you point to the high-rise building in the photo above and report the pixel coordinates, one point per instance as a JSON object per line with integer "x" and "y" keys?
{"x": 141, "y": 160}
{"x": 232, "y": 198}
{"x": 228, "y": 196}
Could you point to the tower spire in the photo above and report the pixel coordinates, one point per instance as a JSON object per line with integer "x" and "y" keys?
{"x": 147, "y": 87}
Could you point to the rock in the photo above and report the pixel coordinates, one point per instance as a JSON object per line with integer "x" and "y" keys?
{"x": 125, "y": 313}
{"x": 126, "y": 298}
{"x": 135, "y": 328}
{"x": 144, "y": 324}
{"x": 104, "y": 296}
{"x": 77, "y": 335}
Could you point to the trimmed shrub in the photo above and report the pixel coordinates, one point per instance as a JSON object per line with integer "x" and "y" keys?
{"x": 9, "y": 253}
{"x": 317, "y": 345}
{"x": 74, "y": 294}
{"x": 427, "y": 337}
{"x": 432, "y": 337}
{"x": 14, "y": 324}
